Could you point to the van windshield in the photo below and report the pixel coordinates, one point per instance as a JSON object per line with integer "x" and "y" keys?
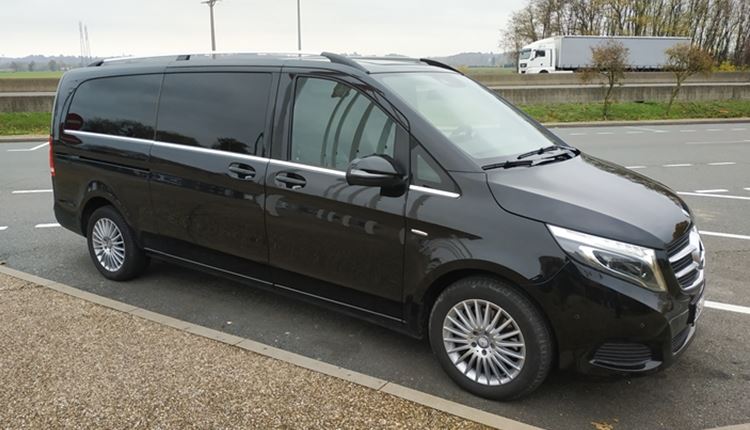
{"x": 472, "y": 118}
{"x": 525, "y": 54}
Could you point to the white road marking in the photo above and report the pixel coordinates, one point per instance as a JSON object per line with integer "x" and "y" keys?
{"x": 687, "y": 131}
{"x": 30, "y": 149}
{"x": 3, "y": 227}
{"x": 577, "y": 134}
{"x": 739, "y": 129}
{"x": 30, "y": 191}
{"x": 729, "y": 235}
{"x": 635, "y": 167}
{"x": 727, "y": 307}
{"x": 722, "y": 163}
{"x": 633, "y": 132}
{"x": 717, "y": 142}
{"x": 715, "y": 190}
{"x": 713, "y": 129}
{"x": 49, "y": 225}
{"x": 652, "y": 130}
{"x": 747, "y": 188}
{"x": 604, "y": 132}
{"x": 677, "y": 165}
{"x": 718, "y": 196}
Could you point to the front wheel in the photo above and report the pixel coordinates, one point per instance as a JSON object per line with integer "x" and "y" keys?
{"x": 490, "y": 339}
{"x": 112, "y": 246}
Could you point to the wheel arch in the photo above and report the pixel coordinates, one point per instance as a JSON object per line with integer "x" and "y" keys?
{"x": 446, "y": 279}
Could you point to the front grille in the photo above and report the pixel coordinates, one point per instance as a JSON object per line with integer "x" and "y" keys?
{"x": 622, "y": 355}
{"x": 687, "y": 257}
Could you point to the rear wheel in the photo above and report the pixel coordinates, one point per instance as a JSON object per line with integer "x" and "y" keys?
{"x": 490, "y": 339}
{"x": 112, "y": 246}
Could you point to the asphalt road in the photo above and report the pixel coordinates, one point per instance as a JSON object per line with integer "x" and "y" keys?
{"x": 707, "y": 387}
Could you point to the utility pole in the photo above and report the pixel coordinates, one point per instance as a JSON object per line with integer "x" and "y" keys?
{"x": 211, "y": 4}
{"x": 299, "y": 29}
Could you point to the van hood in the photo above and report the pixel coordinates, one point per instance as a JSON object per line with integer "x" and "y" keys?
{"x": 593, "y": 196}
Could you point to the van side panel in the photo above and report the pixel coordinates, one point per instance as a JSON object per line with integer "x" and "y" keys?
{"x": 102, "y": 149}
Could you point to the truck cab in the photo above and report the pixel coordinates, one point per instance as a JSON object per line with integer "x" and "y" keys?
{"x": 537, "y": 57}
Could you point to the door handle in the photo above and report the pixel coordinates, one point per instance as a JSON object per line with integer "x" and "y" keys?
{"x": 241, "y": 171}
{"x": 290, "y": 180}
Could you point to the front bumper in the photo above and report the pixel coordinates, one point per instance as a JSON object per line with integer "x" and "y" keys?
{"x": 609, "y": 325}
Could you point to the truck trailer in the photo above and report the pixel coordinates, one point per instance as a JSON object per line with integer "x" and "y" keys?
{"x": 570, "y": 53}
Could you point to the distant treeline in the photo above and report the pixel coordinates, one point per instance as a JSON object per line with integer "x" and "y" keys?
{"x": 36, "y": 63}
{"x": 721, "y": 27}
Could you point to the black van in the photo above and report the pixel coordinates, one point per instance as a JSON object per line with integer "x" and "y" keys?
{"x": 394, "y": 189}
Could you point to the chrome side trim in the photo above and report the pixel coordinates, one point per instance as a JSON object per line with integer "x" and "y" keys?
{"x": 419, "y": 232}
{"x": 208, "y": 266}
{"x": 308, "y": 167}
{"x": 202, "y": 150}
{"x": 108, "y": 136}
{"x": 434, "y": 191}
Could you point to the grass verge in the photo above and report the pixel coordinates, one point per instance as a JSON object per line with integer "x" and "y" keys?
{"x": 29, "y": 75}
{"x": 38, "y": 122}
{"x": 573, "y": 112}
{"x": 12, "y": 123}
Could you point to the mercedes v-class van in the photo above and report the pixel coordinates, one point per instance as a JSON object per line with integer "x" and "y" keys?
{"x": 394, "y": 189}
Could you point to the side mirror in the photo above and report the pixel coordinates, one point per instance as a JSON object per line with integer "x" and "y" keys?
{"x": 373, "y": 171}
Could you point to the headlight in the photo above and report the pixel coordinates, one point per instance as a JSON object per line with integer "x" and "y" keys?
{"x": 630, "y": 262}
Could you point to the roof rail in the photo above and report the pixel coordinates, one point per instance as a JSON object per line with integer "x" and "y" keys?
{"x": 439, "y": 64}
{"x": 186, "y": 56}
{"x": 340, "y": 59}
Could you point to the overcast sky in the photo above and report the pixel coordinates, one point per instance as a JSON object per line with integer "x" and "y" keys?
{"x": 144, "y": 27}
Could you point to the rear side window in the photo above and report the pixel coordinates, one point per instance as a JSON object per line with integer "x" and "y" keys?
{"x": 333, "y": 124}
{"x": 118, "y": 106}
{"x": 224, "y": 111}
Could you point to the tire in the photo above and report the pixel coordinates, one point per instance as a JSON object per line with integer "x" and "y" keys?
{"x": 117, "y": 257}
{"x": 544, "y": 71}
{"x": 516, "y": 313}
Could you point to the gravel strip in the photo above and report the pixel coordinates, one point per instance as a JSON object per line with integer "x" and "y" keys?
{"x": 65, "y": 362}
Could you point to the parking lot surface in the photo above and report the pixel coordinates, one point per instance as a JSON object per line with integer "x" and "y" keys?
{"x": 708, "y": 164}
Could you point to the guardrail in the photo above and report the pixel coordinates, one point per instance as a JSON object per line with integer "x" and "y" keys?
{"x": 37, "y": 95}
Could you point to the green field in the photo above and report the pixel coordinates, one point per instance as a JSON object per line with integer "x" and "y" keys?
{"x": 38, "y": 122}
{"x": 29, "y": 75}
{"x": 24, "y": 123}
{"x": 572, "y": 112}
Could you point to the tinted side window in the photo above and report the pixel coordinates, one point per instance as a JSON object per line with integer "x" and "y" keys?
{"x": 333, "y": 124}
{"x": 120, "y": 106}
{"x": 225, "y": 111}
{"x": 426, "y": 172}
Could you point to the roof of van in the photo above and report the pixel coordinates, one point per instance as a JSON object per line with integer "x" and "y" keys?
{"x": 291, "y": 59}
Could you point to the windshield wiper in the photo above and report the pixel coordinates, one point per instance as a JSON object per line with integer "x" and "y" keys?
{"x": 550, "y": 148}
{"x": 508, "y": 164}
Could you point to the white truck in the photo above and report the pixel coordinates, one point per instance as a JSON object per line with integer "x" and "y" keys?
{"x": 566, "y": 54}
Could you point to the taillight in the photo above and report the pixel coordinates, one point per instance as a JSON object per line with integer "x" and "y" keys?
{"x": 51, "y": 158}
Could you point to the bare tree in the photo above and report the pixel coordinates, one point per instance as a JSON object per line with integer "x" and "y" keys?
{"x": 609, "y": 60}
{"x": 685, "y": 60}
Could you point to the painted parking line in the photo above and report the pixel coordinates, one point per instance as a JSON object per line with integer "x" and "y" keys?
{"x": 29, "y": 149}
{"x": 718, "y": 196}
{"x": 728, "y": 307}
{"x": 714, "y": 190}
{"x": 717, "y": 142}
{"x": 727, "y": 235}
{"x": 3, "y": 227}
{"x": 722, "y": 163}
{"x": 747, "y": 188}
{"x": 30, "y": 191}
{"x": 48, "y": 225}
{"x": 677, "y": 165}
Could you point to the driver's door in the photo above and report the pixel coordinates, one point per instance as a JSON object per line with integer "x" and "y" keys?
{"x": 329, "y": 239}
